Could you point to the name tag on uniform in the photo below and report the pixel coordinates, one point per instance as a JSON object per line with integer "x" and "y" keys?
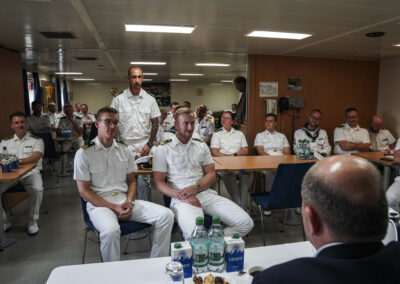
{"x": 114, "y": 193}
{"x": 28, "y": 146}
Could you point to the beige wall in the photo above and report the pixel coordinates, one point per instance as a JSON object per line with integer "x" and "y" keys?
{"x": 216, "y": 97}
{"x": 389, "y": 95}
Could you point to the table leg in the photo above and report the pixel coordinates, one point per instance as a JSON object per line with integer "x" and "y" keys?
{"x": 4, "y": 240}
{"x": 386, "y": 177}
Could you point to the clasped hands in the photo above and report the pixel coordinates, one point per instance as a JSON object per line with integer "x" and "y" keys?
{"x": 188, "y": 195}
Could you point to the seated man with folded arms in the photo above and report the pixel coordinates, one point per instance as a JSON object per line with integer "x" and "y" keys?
{"x": 38, "y": 121}
{"x": 317, "y": 137}
{"x": 105, "y": 175}
{"x": 381, "y": 138}
{"x": 28, "y": 149}
{"x": 345, "y": 216}
{"x": 226, "y": 142}
{"x": 271, "y": 143}
{"x": 350, "y": 137}
{"x": 393, "y": 192}
{"x": 187, "y": 164}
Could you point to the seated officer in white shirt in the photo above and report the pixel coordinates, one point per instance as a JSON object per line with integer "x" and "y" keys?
{"x": 187, "y": 165}
{"x": 105, "y": 175}
{"x": 381, "y": 139}
{"x": 225, "y": 142}
{"x": 317, "y": 137}
{"x": 38, "y": 121}
{"x": 203, "y": 124}
{"x": 350, "y": 137}
{"x": 393, "y": 192}
{"x": 29, "y": 149}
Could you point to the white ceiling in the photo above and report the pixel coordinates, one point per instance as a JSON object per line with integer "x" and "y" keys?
{"x": 338, "y": 28}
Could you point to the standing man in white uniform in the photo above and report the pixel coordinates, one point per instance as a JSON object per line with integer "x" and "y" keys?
{"x": 187, "y": 164}
{"x": 105, "y": 175}
{"x": 317, "y": 137}
{"x": 87, "y": 120}
{"x": 350, "y": 137}
{"x": 54, "y": 118}
{"x": 203, "y": 125}
{"x": 138, "y": 112}
{"x": 29, "y": 149}
{"x": 381, "y": 139}
{"x": 38, "y": 121}
{"x": 226, "y": 142}
{"x": 271, "y": 143}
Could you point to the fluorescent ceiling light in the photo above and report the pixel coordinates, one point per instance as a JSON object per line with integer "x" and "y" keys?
{"x": 226, "y": 81}
{"x": 147, "y": 80}
{"x": 147, "y": 63}
{"x": 213, "y": 64}
{"x": 160, "y": 29}
{"x": 178, "y": 80}
{"x": 190, "y": 74}
{"x": 69, "y": 73}
{"x": 83, "y": 79}
{"x": 397, "y": 45}
{"x": 150, "y": 74}
{"x": 270, "y": 34}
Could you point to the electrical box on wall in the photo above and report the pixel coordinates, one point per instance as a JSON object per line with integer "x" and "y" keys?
{"x": 296, "y": 102}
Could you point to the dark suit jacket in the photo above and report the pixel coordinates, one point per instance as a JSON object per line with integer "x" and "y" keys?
{"x": 345, "y": 263}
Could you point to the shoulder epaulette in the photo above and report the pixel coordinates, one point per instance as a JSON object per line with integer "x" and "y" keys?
{"x": 84, "y": 147}
{"x": 219, "y": 129}
{"x": 165, "y": 141}
{"x": 78, "y": 117}
{"x": 34, "y": 136}
{"x": 63, "y": 117}
{"x": 9, "y": 137}
{"x": 197, "y": 139}
{"x": 123, "y": 142}
{"x": 341, "y": 126}
{"x": 45, "y": 115}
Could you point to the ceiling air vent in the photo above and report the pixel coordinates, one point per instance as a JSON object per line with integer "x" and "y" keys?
{"x": 85, "y": 58}
{"x": 58, "y": 35}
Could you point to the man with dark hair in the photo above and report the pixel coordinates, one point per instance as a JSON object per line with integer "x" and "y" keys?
{"x": 203, "y": 125}
{"x": 240, "y": 85}
{"x": 105, "y": 176}
{"x": 38, "y": 121}
{"x": 381, "y": 138}
{"x": 28, "y": 149}
{"x": 187, "y": 104}
{"x": 311, "y": 132}
{"x": 183, "y": 169}
{"x": 139, "y": 114}
{"x": 87, "y": 119}
{"x": 345, "y": 216}
{"x": 350, "y": 137}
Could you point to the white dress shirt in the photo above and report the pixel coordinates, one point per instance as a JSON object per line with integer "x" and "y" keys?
{"x": 228, "y": 142}
{"x": 381, "y": 141}
{"x": 204, "y": 128}
{"x": 349, "y": 134}
{"x": 273, "y": 143}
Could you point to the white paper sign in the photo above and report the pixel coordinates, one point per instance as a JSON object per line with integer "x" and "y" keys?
{"x": 268, "y": 89}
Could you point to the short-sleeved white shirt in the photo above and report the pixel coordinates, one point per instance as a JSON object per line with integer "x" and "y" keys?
{"x": 24, "y": 148}
{"x": 228, "y": 142}
{"x": 204, "y": 128}
{"x": 36, "y": 123}
{"x": 346, "y": 133}
{"x": 54, "y": 118}
{"x": 65, "y": 124}
{"x": 273, "y": 143}
{"x": 381, "y": 141}
{"x": 320, "y": 145}
{"x": 105, "y": 168}
{"x": 182, "y": 162}
{"x": 135, "y": 114}
{"x": 89, "y": 117}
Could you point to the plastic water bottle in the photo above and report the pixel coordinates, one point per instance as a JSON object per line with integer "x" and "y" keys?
{"x": 216, "y": 246}
{"x": 199, "y": 247}
{"x": 4, "y": 154}
{"x": 307, "y": 150}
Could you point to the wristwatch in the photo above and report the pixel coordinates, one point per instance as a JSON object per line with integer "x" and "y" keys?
{"x": 132, "y": 202}
{"x": 150, "y": 144}
{"x": 198, "y": 187}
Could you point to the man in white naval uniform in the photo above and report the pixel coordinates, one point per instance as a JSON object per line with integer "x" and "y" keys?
{"x": 54, "y": 118}
{"x": 271, "y": 143}
{"x": 87, "y": 120}
{"x": 203, "y": 125}
{"x": 38, "y": 121}
{"x": 78, "y": 110}
{"x": 29, "y": 149}
{"x": 105, "y": 176}
{"x": 138, "y": 112}
{"x": 225, "y": 142}
{"x": 169, "y": 120}
{"x": 393, "y": 192}
{"x": 381, "y": 139}
{"x": 350, "y": 137}
{"x": 317, "y": 137}
{"x": 187, "y": 164}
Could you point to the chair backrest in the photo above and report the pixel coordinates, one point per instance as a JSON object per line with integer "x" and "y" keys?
{"x": 49, "y": 147}
{"x": 93, "y": 132}
{"x": 286, "y": 188}
{"x": 86, "y": 217}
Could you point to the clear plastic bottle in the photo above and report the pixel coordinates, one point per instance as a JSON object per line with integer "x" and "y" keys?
{"x": 307, "y": 150}
{"x": 199, "y": 245}
{"x": 216, "y": 246}
{"x": 4, "y": 153}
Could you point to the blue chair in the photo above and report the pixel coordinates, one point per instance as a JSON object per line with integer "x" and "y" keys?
{"x": 285, "y": 192}
{"x": 127, "y": 227}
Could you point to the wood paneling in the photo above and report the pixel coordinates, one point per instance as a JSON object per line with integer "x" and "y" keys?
{"x": 331, "y": 85}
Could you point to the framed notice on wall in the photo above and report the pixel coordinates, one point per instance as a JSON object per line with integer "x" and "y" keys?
{"x": 268, "y": 89}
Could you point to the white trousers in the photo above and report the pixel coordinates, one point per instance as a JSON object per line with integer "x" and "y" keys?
{"x": 393, "y": 196}
{"x": 234, "y": 217}
{"x": 33, "y": 184}
{"x": 106, "y": 222}
{"x": 238, "y": 192}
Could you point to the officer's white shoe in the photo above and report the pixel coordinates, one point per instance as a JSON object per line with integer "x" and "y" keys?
{"x": 33, "y": 229}
{"x": 7, "y": 226}
{"x": 267, "y": 213}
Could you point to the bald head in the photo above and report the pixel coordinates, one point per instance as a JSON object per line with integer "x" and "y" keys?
{"x": 347, "y": 194}
{"x": 375, "y": 124}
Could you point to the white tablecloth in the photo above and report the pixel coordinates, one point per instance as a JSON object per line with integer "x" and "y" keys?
{"x": 152, "y": 270}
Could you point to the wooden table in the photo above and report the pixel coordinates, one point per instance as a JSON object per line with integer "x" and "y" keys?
{"x": 376, "y": 157}
{"x": 6, "y": 179}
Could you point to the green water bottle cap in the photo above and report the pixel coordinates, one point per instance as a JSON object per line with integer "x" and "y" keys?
{"x": 199, "y": 220}
{"x": 235, "y": 236}
{"x": 216, "y": 220}
{"x": 177, "y": 245}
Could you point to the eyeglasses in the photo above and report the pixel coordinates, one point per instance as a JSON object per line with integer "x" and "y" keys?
{"x": 315, "y": 118}
{"x": 225, "y": 118}
{"x": 108, "y": 122}
{"x": 136, "y": 77}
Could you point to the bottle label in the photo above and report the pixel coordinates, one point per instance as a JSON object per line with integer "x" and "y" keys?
{"x": 216, "y": 258}
{"x": 200, "y": 259}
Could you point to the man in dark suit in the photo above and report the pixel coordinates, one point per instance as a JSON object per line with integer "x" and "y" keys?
{"x": 345, "y": 217}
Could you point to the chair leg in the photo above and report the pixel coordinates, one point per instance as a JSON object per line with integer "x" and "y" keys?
{"x": 98, "y": 241}
{"x": 219, "y": 185}
{"x": 127, "y": 243}
{"x": 84, "y": 246}
{"x": 262, "y": 223}
{"x": 44, "y": 206}
{"x": 7, "y": 204}
{"x": 284, "y": 221}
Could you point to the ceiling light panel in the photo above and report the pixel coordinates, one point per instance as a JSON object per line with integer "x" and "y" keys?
{"x": 147, "y": 63}
{"x": 190, "y": 74}
{"x": 270, "y": 34}
{"x": 226, "y": 81}
{"x": 69, "y": 73}
{"x": 160, "y": 29}
{"x": 178, "y": 80}
{"x": 83, "y": 79}
{"x": 213, "y": 64}
{"x": 150, "y": 74}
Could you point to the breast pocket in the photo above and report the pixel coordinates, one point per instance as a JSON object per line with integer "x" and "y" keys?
{"x": 98, "y": 172}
